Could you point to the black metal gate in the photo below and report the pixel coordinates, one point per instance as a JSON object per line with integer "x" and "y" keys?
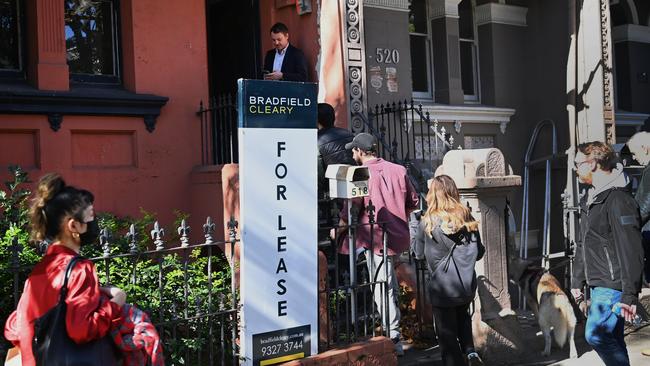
{"x": 219, "y": 130}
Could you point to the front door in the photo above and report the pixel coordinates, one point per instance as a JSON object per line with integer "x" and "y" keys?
{"x": 233, "y": 43}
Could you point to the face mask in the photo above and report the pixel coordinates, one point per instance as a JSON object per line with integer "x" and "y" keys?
{"x": 91, "y": 235}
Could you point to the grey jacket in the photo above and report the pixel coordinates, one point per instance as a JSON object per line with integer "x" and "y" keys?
{"x": 450, "y": 260}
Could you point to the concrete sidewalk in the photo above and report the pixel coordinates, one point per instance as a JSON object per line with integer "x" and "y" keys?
{"x": 636, "y": 340}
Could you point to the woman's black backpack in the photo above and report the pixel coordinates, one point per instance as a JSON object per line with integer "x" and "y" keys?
{"x": 453, "y": 282}
{"x": 53, "y": 347}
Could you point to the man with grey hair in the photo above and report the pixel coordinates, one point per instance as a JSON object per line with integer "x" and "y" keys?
{"x": 639, "y": 146}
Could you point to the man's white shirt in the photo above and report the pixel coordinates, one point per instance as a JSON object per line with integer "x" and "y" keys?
{"x": 279, "y": 58}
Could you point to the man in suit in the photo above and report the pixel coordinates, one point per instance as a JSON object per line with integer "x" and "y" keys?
{"x": 284, "y": 61}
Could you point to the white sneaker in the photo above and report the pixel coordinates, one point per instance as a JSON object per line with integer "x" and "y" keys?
{"x": 473, "y": 359}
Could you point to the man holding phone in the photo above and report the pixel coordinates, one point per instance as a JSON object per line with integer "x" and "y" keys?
{"x": 284, "y": 61}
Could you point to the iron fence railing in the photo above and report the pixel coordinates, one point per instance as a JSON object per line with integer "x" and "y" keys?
{"x": 219, "y": 130}
{"x": 408, "y": 136}
{"x": 197, "y": 323}
{"x": 351, "y": 310}
{"x": 407, "y": 132}
{"x": 352, "y": 313}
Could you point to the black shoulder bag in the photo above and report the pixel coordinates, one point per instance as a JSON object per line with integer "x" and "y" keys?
{"x": 53, "y": 347}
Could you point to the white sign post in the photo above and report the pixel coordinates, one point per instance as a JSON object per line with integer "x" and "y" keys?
{"x": 278, "y": 215}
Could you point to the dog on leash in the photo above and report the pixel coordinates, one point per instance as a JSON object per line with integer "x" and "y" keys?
{"x": 546, "y": 298}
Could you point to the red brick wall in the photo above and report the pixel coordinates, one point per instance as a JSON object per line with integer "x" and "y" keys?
{"x": 127, "y": 167}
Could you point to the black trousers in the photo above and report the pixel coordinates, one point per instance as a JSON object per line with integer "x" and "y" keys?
{"x": 454, "y": 332}
{"x": 646, "y": 249}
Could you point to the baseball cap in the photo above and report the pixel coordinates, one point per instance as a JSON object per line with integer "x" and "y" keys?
{"x": 363, "y": 141}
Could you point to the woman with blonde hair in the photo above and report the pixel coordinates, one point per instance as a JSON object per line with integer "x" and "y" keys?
{"x": 449, "y": 240}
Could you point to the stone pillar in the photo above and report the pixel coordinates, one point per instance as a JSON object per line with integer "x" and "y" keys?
{"x": 48, "y": 68}
{"x": 488, "y": 207}
{"x": 484, "y": 181}
{"x": 446, "y": 51}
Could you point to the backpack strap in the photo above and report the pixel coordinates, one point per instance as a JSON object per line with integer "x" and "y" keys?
{"x": 447, "y": 258}
{"x": 68, "y": 271}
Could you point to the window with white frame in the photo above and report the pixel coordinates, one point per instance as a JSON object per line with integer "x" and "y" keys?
{"x": 468, "y": 45}
{"x": 421, "y": 69}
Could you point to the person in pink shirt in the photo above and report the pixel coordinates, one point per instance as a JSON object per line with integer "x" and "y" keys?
{"x": 393, "y": 197}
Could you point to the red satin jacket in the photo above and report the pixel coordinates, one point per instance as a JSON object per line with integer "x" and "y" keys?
{"x": 90, "y": 315}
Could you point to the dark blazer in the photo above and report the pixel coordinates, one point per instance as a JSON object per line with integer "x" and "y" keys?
{"x": 294, "y": 65}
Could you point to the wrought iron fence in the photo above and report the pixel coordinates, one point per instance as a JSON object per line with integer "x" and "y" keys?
{"x": 351, "y": 310}
{"x": 196, "y": 321}
{"x": 408, "y": 136}
{"x": 407, "y": 132}
{"x": 352, "y": 313}
{"x": 198, "y": 324}
{"x": 219, "y": 130}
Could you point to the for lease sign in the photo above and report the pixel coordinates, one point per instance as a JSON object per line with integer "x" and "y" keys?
{"x": 278, "y": 214}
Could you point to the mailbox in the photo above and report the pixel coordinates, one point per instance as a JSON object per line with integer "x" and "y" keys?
{"x": 347, "y": 181}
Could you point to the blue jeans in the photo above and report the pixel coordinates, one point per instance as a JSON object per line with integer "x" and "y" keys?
{"x": 604, "y": 329}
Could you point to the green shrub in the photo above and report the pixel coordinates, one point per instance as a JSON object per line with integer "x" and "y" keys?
{"x": 153, "y": 281}
{"x": 16, "y": 262}
{"x": 139, "y": 276}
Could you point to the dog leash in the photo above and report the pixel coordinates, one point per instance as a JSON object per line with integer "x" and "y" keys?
{"x": 562, "y": 263}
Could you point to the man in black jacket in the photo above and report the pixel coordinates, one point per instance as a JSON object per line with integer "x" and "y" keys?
{"x": 331, "y": 150}
{"x": 284, "y": 61}
{"x": 332, "y": 140}
{"x": 609, "y": 255}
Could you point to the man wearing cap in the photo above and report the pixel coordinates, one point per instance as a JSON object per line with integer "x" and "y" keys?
{"x": 393, "y": 198}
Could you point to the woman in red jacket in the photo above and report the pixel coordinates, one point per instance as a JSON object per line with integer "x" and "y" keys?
{"x": 65, "y": 216}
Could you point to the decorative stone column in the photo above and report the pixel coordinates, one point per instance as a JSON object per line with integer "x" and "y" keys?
{"x": 484, "y": 181}
{"x": 443, "y": 15}
{"x": 354, "y": 61}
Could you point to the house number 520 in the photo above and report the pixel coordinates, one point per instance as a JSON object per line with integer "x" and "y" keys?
{"x": 387, "y": 55}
